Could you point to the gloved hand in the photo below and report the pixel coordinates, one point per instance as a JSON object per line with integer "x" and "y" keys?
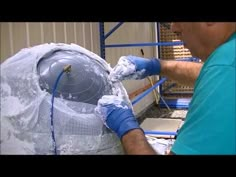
{"x": 132, "y": 67}
{"x": 116, "y": 114}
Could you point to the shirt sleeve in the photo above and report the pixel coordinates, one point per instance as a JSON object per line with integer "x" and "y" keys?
{"x": 209, "y": 127}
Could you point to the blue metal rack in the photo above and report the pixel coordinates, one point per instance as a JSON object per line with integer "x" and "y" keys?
{"x": 103, "y": 37}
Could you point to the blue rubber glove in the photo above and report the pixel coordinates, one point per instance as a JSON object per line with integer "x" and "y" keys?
{"x": 133, "y": 67}
{"x": 116, "y": 115}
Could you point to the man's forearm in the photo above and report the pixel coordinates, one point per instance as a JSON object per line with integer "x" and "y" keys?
{"x": 135, "y": 142}
{"x": 185, "y": 73}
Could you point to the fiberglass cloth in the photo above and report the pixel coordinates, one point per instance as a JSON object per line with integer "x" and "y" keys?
{"x": 25, "y": 109}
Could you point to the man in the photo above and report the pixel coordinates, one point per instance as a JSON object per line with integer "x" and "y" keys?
{"x": 209, "y": 127}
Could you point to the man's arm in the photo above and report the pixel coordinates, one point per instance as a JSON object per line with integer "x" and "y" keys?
{"x": 119, "y": 117}
{"x": 135, "y": 142}
{"x": 183, "y": 72}
{"x": 133, "y": 67}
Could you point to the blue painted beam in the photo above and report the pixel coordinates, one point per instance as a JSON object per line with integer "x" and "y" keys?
{"x": 145, "y": 44}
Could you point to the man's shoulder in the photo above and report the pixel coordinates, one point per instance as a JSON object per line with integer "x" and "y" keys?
{"x": 224, "y": 55}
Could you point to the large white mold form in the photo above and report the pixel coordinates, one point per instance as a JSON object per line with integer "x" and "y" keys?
{"x": 26, "y": 102}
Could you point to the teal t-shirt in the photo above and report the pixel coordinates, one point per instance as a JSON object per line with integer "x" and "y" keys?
{"x": 210, "y": 124}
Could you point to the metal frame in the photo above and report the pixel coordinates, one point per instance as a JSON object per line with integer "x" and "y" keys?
{"x": 103, "y": 37}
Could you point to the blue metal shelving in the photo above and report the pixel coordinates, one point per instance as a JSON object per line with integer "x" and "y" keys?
{"x": 103, "y": 46}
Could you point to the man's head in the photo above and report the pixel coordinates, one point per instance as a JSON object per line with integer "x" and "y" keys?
{"x": 202, "y": 38}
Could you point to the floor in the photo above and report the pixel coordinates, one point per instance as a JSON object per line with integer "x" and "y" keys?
{"x": 162, "y": 120}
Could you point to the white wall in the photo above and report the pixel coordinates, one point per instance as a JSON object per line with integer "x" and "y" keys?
{"x": 15, "y": 36}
